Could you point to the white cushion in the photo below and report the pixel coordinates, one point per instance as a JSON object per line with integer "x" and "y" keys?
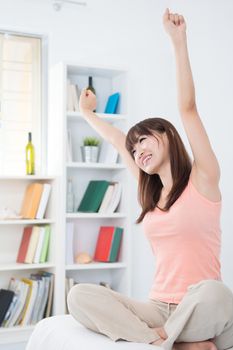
{"x": 65, "y": 333}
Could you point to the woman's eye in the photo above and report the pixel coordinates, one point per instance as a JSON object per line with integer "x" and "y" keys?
{"x": 141, "y": 139}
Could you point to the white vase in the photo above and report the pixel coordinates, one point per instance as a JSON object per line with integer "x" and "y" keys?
{"x": 90, "y": 154}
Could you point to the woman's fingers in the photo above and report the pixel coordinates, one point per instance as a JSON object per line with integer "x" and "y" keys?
{"x": 175, "y": 18}
{"x": 171, "y": 17}
{"x": 181, "y": 19}
{"x": 166, "y": 15}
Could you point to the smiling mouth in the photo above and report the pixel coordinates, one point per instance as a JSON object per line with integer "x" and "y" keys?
{"x": 145, "y": 161}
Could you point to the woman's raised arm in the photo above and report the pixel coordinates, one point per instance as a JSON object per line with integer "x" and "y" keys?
{"x": 206, "y": 171}
{"x": 111, "y": 134}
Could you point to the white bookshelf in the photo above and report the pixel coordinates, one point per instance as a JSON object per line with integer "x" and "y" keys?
{"x": 12, "y": 189}
{"x": 106, "y": 81}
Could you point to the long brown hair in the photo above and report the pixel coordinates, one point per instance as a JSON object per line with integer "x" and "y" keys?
{"x": 150, "y": 186}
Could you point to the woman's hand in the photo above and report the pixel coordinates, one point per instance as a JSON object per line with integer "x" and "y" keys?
{"x": 174, "y": 25}
{"x": 87, "y": 101}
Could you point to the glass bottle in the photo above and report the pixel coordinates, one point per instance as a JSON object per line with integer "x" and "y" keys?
{"x": 30, "y": 156}
{"x": 91, "y": 87}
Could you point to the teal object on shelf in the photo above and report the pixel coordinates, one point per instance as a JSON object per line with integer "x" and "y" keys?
{"x": 112, "y": 103}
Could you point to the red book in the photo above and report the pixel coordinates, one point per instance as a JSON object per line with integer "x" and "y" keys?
{"x": 108, "y": 244}
{"x": 24, "y": 244}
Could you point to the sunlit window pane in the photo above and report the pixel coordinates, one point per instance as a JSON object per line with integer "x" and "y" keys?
{"x": 20, "y": 98}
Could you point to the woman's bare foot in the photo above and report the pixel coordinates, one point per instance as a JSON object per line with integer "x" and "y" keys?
{"x": 201, "y": 345}
{"x": 161, "y": 332}
{"x": 163, "y": 335}
{"x": 157, "y": 342}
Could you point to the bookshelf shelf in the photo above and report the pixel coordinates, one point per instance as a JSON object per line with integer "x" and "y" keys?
{"x": 26, "y": 177}
{"x": 26, "y": 222}
{"x": 101, "y": 166}
{"x": 16, "y": 266}
{"x": 95, "y": 216}
{"x": 96, "y": 266}
{"x": 108, "y": 117}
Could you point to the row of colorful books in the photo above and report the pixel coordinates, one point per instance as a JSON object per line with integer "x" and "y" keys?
{"x": 107, "y": 246}
{"x": 101, "y": 196}
{"x": 35, "y": 201}
{"x": 34, "y": 245}
{"x": 27, "y": 300}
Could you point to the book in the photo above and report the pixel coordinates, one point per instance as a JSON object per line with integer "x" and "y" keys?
{"x": 39, "y": 297}
{"x": 10, "y": 310}
{"x": 30, "y": 301}
{"x": 47, "y": 276}
{"x": 32, "y": 245}
{"x": 115, "y": 199}
{"x": 108, "y": 244}
{"x": 24, "y": 244}
{"x": 107, "y": 198}
{"x": 43, "y": 201}
{"x": 112, "y": 103}
{"x": 93, "y": 196}
{"x": 39, "y": 246}
{"x": 14, "y": 287}
{"x": 6, "y": 297}
{"x": 48, "y": 310}
{"x": 22, "y": 290}
{"x": 45, "y": 245}
{"x": 70, "y": 106}
{"x": 31, "y": 200}
{"x": 69, "y": 243}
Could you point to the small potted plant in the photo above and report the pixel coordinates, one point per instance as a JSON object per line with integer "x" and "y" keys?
{"x": 90, "y": 149}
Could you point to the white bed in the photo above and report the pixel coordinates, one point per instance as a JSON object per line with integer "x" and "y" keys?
{"x": 65, "y": 333}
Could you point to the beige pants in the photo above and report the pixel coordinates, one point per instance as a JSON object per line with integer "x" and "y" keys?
{"x": 205, "y": 312}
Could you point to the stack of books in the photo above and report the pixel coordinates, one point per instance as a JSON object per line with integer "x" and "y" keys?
{"x": 34, "y": 245}
{"x": 108, "y": 244}
{"x": 27, "y": 300}
{"x": 101, "y": 196}
{"x": 35, "y": 201}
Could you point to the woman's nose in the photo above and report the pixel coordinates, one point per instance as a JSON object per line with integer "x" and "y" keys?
{"x": 140, "y": 153}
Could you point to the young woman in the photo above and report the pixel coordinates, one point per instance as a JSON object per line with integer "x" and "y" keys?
{"x": 189, "y": 307}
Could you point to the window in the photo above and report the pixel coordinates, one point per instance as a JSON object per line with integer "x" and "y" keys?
{"x": 20, "y": 101}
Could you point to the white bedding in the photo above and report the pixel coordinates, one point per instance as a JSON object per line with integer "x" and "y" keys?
{"x": 65, "y": 333}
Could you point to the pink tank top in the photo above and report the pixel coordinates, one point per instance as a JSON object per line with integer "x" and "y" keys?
{"x": 186, "y": 242}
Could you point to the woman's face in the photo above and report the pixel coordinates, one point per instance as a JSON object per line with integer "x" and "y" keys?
{"x": 150, "y": 152}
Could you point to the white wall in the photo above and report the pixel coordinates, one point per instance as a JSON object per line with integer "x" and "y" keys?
{"x": 130, "y": 32}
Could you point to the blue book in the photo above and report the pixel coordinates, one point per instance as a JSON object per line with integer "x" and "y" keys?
{"x": 112, "y": 103}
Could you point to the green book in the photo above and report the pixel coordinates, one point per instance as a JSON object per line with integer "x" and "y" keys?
{"x": 93, "y": 196}
{"x": 45, "y": 247}
{"x": 115, "y": 244}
